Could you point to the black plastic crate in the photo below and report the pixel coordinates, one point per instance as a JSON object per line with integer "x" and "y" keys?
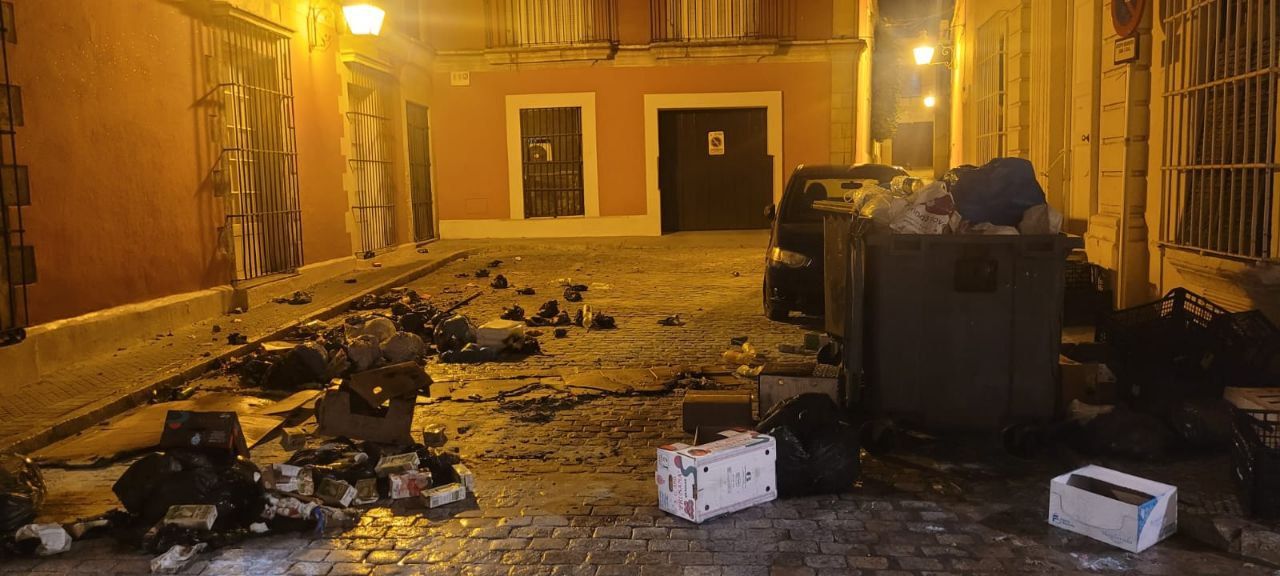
{"x": 1086, "y": 300}
{"x": 1246, "y": 350}
{"x": 1255, "y": 455}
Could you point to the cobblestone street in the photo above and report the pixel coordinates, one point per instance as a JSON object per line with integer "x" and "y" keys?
{"x": 575, "y": 494}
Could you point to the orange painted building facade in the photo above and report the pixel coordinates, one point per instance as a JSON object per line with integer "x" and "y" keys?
{"x": 139, "y": 187}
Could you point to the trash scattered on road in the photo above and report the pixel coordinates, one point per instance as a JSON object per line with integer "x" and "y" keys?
{"x": 22, "y": 491}
{"x": 561, "y": 332}
{"x": 442, "y": 495}
{"x": 409, "y": 484}
{"x": 176, "y": 558}
{"x": 698, "y": 483}
{"x": 818, "y": 452}
{"x": 499, "y": 282}
{"x": 434, "y": 436}
{"x": 515, "y": 312}
{"x": 336, "y": 492}
{"x": 571, "y": 295}
{"x": 482, "y": 273}
{"x": 397, "y": 464}
{"x": 237, "y": 339}
{"x": 218, "y": 433}
{"x": 297, "y": 298}
{"x": 465, "y": 477}
{"x": 494, "y": 263}
{"x": 193, "y": 516}
{"x": 500, "y": 334}
{"x": 1125, "y": 511}
{"x": 673, "y": 320}
{"x": 43, "y": 539}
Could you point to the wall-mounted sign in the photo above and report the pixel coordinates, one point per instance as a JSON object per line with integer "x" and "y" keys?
{"x": 459, "y": 78}
{"x": 1126, "y": 50}
{"x": 715, "y": 143}
{"x": 1126, "y": 15}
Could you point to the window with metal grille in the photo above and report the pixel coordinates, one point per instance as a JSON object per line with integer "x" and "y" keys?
{"x": 989, "y": 88}
{"x": 258, "y": 164}
{"x": 551, "y": 140}
{"x": 718, "y": 20}
{"x": 370, "y": 159}
{"x": 1219, "y": 160}
{"x": 420, "y": 172}
{"x": 516, "y": 23}
{"x": 17, "y": 260}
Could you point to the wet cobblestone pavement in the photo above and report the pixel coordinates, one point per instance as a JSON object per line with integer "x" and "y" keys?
{"x": 575, "y": 494}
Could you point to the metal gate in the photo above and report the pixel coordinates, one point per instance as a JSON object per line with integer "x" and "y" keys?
{"x": 420, "y": 172}
{"x": 258, "y": 164}
{"x": 370, "y": 159}
{"x": 17, "y": 262}
{"x": 1221, "y": 167}
{"x": 552, "y": 159}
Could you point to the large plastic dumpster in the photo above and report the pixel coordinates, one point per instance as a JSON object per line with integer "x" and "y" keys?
{"x": 949, "y": 332}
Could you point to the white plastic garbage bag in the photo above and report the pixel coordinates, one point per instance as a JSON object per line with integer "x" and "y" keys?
{"x": 929, "y": 213}
{"x": 1041, "y": 219}
{"x": 53, "y": 538}
{"x": 176, "y": 558}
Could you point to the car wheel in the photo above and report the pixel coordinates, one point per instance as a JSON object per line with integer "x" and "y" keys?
{"x": 773, "y": 310}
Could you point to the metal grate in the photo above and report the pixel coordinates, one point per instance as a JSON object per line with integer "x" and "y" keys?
{"x": 420, "y": 172}
{"x": 17, "y": 262}
{"x": 720, "y": 20}
{"x": 370, "y": 159}
{"x": 258, "y": 163}
{"x": 552, "y": 159}
{"x": 1219, "y": 160}
{"x": 516, "y": 23}
{"x": 989, "y": 85}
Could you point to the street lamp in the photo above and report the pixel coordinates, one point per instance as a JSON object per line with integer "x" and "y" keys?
{"x": 923, "y": 54}
{"x": 363, "y": 18}
{"x": 930, "y": 101}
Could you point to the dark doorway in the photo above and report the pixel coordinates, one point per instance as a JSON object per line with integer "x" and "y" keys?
{"x": 420, "y": 173}
{"x": 714, "y": 169}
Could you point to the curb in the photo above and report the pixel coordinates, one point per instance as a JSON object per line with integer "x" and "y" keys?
{"x": 86, "y": 416}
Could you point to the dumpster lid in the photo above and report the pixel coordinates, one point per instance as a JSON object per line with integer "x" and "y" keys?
{"x": 835, "y": 206}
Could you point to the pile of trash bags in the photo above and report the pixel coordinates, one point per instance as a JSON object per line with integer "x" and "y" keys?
{"x": 999, "y": 198}
{"x": 818, "y": 451}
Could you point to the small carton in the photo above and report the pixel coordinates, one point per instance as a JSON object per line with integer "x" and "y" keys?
{"x": 282, "y": 477}
{"x": 294, "y": 438}
{"x": 215, "y": 432}
{"x": 716, "y": 408}
{"x": 366, "y": 491}
{"x": 447, "y": 494}
{"x": 465, "y": 477}
{"x": 1124, "y": 511}
{"x": 336, "y": 492}
{"x": 410, "y": 484}
{"x": 401, "y": 381}
{"x": 500, "y": 334}
{"x": 434, "y": 436}
{"x": 196, "y": 516}
{"x": 701, "y": 482}
{"x": 398, "y": 464}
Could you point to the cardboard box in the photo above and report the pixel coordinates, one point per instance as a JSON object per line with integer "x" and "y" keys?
{"x": 195, "y": 516}
{"x": 773, "y": 389}
{"x": 404, "y": 381}
{"x": 217, "y": 432}
{"x": 1125, "y": 511}
{"x": 391, "y": 425}
{"x": 398, "y": 464}
{"x": 286, "y": 478}
{"x": 701, "y": 482}
{"x": 336, "y": 492}
{"x": 716, "y": 408}
{"x": 410, "y": 484}
{"x": 500, "y": 334}
{"x": 465, "y": 477}
{"x": 1088, "y": 382}
{"x": 447, "y": 494}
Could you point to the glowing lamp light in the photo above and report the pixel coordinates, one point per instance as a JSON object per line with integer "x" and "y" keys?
{"x": 363, "y": 19}
{"x": 930, "y": 101}
{"x": 923, "y": 54}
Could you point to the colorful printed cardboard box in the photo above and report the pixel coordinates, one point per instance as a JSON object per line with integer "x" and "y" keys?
{"x": 701, "y": 482}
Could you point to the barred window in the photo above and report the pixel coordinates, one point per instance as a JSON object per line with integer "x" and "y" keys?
{"x": 989, "y": 88}
{"x": 1219, "y": 161}
{"x": 368, "y": 115}
{"x": 516, "y": 23}
{"x": 258, "y": 166}
{"x": 712, "y": 20}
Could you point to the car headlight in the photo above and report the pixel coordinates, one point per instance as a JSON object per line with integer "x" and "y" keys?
{"x": 788, "y": 258}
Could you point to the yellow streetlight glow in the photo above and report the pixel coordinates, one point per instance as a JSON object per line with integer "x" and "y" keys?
{"x": 923, "y": 54}
{"x": 363, "y": 19}
{"x": 930, "y": 101}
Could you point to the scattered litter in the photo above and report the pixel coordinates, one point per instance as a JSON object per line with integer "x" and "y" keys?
{"x": 49, "y": 539}
{"x": 495, "y": 263}
{"x": 743, "y": 356}
{"x": 403, "y": 347}
{"x": 193, "y": 516}
{"x": 571, "y": 295}
{"x": 349, "y": 281}
{"x": 237, "y": 339}
{"x": 398, "y": 464}
{"x": 465, "y": 477}
{"x": 363, "y": 352}
{"x": 434, "y": 436}
{"x": 550, "y": 309}
{"x": 297, "y": 298}
{"x": 561, "y": 332}
{"x": 749, "y": 373}
{"x": 409, "y": 484}
{"x": 499, "y": 282}
{"x": 739, "y": 473}
{"x": 336, "y": 492}
{"x": 526, "y": 291}
{"x": 482, "y": 273}
{"x": 380, "y": 327}
{"x": 22, "y": 491}
{"x": 500, "y": 334}
{"x": 447, "y": 494}
{"x": 738, "y": 340}
{"x": 1125, "y": 511}
{"x": 454, "y": 333}
{"x": 673, "y": 320}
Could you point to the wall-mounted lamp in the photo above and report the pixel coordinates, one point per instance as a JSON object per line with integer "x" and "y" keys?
{"x": 930, "y": 101}
{"x": 363, "y": 18}
{"x": 923, "y": 54}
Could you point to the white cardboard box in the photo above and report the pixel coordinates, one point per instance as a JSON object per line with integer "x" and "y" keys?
{"x": 700, "y": 482}
{"x": 499, "y": 334}
{"x": 1122, "y": 510}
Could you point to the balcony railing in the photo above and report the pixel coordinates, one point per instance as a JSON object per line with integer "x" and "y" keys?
{"x": 547, "y": 23}
{"x": 721, "y": 20}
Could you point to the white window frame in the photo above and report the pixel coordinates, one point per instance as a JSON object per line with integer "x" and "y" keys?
{"x": 515, "y": 150}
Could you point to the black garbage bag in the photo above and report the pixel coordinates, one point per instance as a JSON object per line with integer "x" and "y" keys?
{"x": 1203, "y": 424}
{"x": 1126, "y": 433}
{"x": 818, "y": 451}
{"x": 997, "y": 192}
{"x": 22, "y": 491}
{"x": 163, "y": 479}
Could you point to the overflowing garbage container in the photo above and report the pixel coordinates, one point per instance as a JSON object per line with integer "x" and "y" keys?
{"x": 946, "y": 322}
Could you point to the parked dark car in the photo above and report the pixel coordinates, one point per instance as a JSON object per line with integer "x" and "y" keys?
{"x": 793, "y": 262}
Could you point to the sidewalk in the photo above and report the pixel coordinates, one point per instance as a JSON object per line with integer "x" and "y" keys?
{"x": 69, "y": 400}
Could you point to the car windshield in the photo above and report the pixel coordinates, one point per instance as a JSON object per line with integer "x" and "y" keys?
{"x": 798, "y": 204}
